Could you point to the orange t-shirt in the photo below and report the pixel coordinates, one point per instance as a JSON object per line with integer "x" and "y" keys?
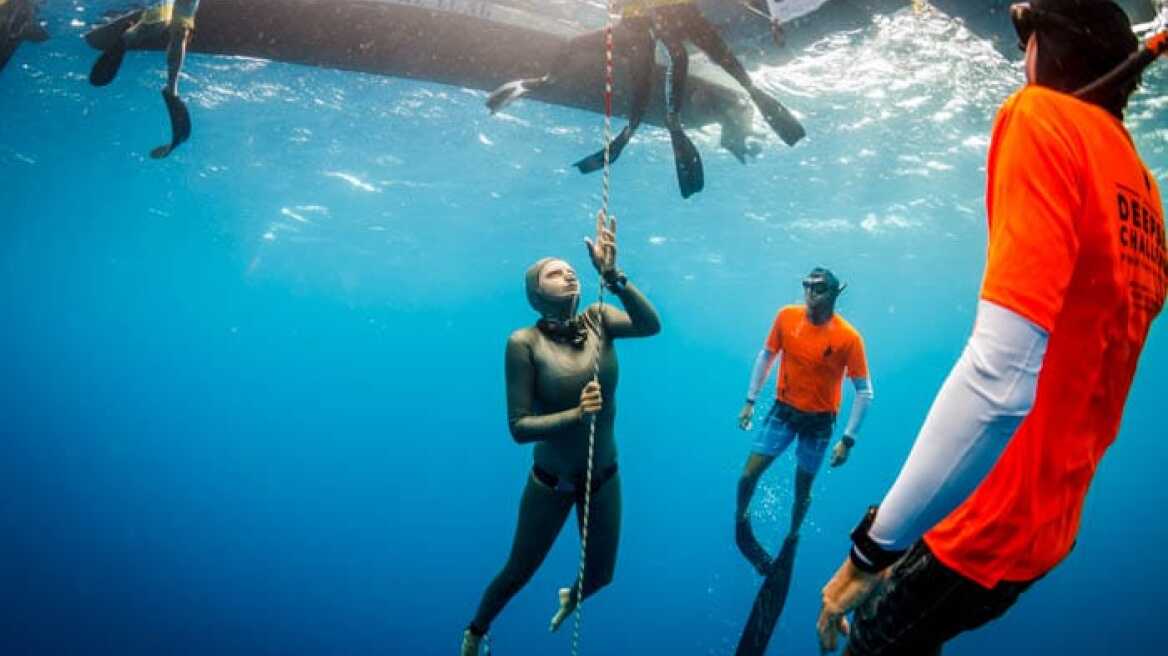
{"x": 814, "y": 358}
{"x": 1076, "y": 245}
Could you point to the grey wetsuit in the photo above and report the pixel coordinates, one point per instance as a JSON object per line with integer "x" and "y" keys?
{"x": 544, "y": 379}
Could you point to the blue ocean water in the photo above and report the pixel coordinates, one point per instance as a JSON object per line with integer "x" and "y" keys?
{"x": 252, "y": 398}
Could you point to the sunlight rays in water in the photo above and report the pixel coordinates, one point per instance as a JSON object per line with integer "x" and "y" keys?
{"x": 902, "y": 104}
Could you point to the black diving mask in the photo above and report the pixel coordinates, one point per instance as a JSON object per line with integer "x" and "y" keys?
{"x": 817, "y": 286}
{"x": 1027, "y": 19}
{"x": 821, "y": 286}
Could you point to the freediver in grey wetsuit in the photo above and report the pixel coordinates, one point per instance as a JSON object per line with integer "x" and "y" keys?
{"x": 551, "y": 398}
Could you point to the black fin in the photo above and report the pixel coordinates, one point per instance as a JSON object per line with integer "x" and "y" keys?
{"x": 180, "y": 125}
{"x": 690, "y": 176}
{"x": 768, "y": 604}
{"x": 105, "y": 69}
{"x": 750, "y": 548}
{"x": 513, "y": 91}
{"x": 779, "y": 118}
{"x": 107, "y": 36}
{"x": 595, "y": 161}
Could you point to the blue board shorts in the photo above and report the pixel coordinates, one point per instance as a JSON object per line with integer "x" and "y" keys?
{"x": 784, "y": 423}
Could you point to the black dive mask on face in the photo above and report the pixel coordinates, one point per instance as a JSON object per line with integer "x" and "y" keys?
{"x": 1027, "y": 19}
{"x": 818, "y": 286}
{"x": 822, "y": 281}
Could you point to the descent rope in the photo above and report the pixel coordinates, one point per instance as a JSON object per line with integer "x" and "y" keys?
{"x": 604, "y": 198}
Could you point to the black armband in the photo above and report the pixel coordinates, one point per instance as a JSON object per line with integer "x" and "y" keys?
{"x": 615, "y": 281}
{"x": 866, "y": 555}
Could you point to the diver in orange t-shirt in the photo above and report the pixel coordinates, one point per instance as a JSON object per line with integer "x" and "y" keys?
{"x": 991, "y": 496}
{"x": 817, "y": 347}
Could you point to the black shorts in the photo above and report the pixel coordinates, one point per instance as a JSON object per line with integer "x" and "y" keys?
{"x": 923, "y": 605}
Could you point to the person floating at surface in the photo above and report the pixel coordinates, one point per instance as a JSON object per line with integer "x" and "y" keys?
{"x": 673, "y": 22}
{"x": 991, "y": 496}
{"x": 19, "y": 23}
{"x": 176, "y": 20}
{"x": 817, "y": 347}
{"x": 552, "y": 398}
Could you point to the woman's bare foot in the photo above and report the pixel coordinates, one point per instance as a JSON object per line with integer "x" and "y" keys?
{"x": 470, "y": 644}
{"x": 566, "y": 608}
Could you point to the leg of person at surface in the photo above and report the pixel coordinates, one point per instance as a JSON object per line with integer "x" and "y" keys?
{"x": 151, "y": 23}
{"x": 176, "y": 22}
{"x": 690, "y": 175}
{"x": 182, "y": 26}
{"x": 706, "y": 37}
{"x": 641, "y": 58}
{"x": 600, "y": 556}
{"x": 756, "y": 465}
{"x": 542, "y": 513}
{"x": 176, "y": 51}
{"x": 589, "y": 42}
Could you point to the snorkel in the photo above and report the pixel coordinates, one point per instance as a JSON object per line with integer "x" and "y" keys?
{"x": 1131, "y": 68}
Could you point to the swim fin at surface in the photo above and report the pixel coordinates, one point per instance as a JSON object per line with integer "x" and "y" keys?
{"x": 180, "y": 125}
{"x": 781, "y": 120}
{"x": 512, "y": 91}
{"x": 595, "y": 161}
{"x": 690, "y": 176}
{"x": 105, "y": 69}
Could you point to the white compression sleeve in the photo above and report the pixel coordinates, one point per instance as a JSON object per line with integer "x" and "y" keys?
{"x": 986, "y": 396}
{"x": 864, "y": 396}
{"x": 758, "y": 375}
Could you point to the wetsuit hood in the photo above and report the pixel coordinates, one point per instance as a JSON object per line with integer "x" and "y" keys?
{"x": 547, "y": 306}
